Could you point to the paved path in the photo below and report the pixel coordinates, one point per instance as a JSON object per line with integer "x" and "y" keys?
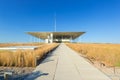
{"x": 66, "y": 64}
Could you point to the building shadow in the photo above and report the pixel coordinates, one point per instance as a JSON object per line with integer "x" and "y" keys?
{"x": 35, "y": 75}
{"x": 29, "y": 76}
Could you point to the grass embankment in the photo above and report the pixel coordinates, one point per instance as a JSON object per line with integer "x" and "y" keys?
{"x": 109, "y": 54}
{"x": 25, "y": 58}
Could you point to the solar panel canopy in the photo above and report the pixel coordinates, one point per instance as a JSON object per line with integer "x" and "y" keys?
{"x": 56, "y": 36}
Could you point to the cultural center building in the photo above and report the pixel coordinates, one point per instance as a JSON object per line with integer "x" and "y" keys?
{"x": 58, "y": 37}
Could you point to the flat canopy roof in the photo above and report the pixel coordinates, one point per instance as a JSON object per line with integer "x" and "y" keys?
{"x": 56, "y": 35}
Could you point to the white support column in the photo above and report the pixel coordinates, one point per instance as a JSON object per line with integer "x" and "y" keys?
{"x": 48, "y": 39}
{"x": 51, "y": 38}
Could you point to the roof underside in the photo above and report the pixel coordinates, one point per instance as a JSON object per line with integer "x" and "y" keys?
{"x": 56, "y": 35}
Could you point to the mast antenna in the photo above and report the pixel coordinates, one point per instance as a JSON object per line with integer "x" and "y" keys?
{"x": 55, "y": 22}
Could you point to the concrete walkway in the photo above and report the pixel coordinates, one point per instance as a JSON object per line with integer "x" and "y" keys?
{"x": 66, "y": 64}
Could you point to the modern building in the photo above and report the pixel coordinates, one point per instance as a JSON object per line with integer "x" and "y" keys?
{"x": 58, "y": 37}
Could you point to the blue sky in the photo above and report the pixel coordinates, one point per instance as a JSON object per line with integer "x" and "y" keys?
{"x": 100, "y": 19}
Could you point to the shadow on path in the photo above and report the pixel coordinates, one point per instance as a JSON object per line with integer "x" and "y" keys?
{"x": 36, "y": 74}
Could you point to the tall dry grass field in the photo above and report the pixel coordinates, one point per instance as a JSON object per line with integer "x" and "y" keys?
{"x": 19, "y": 44}
{"x": 25, "y": 58}
{"x": 109, "y": 54}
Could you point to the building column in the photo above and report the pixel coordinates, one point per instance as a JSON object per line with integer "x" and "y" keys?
{"x": 51, "y": 38}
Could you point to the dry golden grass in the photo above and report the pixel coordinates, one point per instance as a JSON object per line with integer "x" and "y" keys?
{"x": 19, "y": 44}
{"x": 109, "y": 54}
{"x": 25, "y": 58}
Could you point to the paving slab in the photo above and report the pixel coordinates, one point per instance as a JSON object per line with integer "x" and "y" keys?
{"x": 65, "y": 64}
